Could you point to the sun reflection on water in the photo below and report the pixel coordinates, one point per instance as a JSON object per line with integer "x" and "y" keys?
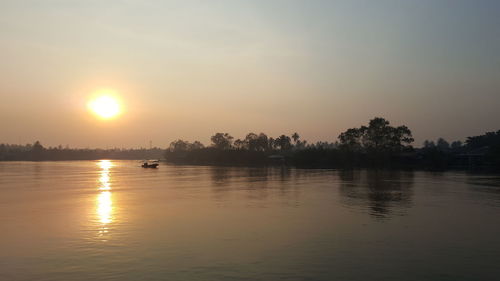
{"x": 105, "y": 164}
{"x": 104, "y": 181}
{"x": 104, "y": 198}
{"x": 104, "y": 207}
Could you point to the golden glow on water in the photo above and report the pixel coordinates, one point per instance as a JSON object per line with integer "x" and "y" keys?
{"x": 262, "y": 222}
{"x": 104, "y": 199}
{"x": 104, "y": 180}
{"x": 105, "y": 164}
{"x": 104, "y": 207}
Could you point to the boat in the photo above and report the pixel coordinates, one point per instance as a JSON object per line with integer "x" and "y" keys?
{"x": 150, "y": 164}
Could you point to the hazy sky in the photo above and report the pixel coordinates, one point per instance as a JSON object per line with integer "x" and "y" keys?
{"x": 188, "y": 69}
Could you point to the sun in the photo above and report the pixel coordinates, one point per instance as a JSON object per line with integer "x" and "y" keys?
{"x": 105, "y": 106}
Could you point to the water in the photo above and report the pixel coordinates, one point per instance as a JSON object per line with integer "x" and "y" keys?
{"x": 112, "y": 220}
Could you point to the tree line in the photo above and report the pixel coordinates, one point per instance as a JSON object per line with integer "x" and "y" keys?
{"x": 252, "y": 142}
{"x": 377, "y": 144}
{"x": 37, "y": 152}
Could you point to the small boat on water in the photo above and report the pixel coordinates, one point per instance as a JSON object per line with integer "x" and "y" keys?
{"x": 150, "y": 164}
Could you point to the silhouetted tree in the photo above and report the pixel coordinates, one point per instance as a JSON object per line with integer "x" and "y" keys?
{"x": 37, "y": 151}
{"x": 379, "y": 136}
{"x": 262, "y": 142}
{"x": 490, "y": 143}
{"x": 300, "y": 144}
{"x": 436, "y": 155}
{"x": 271, "y": 144}
{"x": 429, "y": 144}
{"x": 351, "y": 139}
{"x": 487, "y": 140}
{"x": 324, "y": 145}
{"x": 222, "y": 141}
{"x": 443, "y": 145}
{"x": 251, "y": 141}
{"x": 196, "y": 145}
{"x": 456, "y": 145}
{"x": 283, "y": 143}
{"x": 239, "y": 144}
{"x": 179, "y": 145}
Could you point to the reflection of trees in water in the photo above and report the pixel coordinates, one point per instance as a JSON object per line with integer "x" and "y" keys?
{"x": 485, "y": 180}
{"x": 256, "y": 180}
{"x": 381, "y": 191}
{"x": 485, "y": 186}
{"x": 37, "y": 170}
{"x": 220, "y": 176}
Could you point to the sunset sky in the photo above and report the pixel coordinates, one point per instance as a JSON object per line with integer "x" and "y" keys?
{"x": 188, "y": 69}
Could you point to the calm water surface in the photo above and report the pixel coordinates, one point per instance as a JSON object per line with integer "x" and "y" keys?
{"x": 112, "y": 220}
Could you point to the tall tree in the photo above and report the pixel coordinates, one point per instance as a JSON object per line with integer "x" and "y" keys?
{"x": 283, "y": 143}
{"x": 222, "y": 140}
{"x": 251, "y": 141}
{"x": 379, "y": 136}
{"x": 351, "y": 139}
{"x": 262, "y": 142}
{"x": 37, "y": 151}
{"x": 443, "y": 145}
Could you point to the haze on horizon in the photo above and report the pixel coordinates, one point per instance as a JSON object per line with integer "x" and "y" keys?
{"x": 188, "y": 69}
